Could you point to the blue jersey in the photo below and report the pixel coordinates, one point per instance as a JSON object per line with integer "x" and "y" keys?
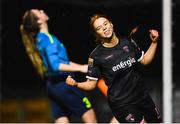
{"x": 61, "y": 95}
{"x": 53, "y": 53}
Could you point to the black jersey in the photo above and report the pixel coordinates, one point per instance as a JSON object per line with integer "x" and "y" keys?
{"x": 119, "y": 67}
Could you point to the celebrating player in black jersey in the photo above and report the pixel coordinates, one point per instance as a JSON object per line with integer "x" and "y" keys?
{"x": 117, "y": 60}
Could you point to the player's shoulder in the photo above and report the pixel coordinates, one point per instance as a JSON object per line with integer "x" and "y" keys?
{"x": 124, "y": 39}
{"x": 127, "y": 41}
{"x": 42, "y": 36}
{"x": 96, "y": 51}
{"x": 49, "y": 38}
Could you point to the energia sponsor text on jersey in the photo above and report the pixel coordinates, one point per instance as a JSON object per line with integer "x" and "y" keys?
{"x": 123, "y": 64}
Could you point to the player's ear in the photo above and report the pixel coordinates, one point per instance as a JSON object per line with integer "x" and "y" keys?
{"x": 111, "y": 24}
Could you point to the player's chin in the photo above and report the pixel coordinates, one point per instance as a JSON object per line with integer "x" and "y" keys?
{"x": 109, "y": 35}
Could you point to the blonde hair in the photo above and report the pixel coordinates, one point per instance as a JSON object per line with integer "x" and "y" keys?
{"x": 31, "y": 50}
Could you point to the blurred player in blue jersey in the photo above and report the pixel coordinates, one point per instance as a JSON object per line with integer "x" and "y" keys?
{"x": 51, "y": 61}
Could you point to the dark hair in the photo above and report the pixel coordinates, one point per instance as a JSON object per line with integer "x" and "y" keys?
{"x": 30, "y": 22}
{"x": 29, "y": 28}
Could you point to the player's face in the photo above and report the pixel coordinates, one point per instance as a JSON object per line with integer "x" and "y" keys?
{"x": 103, "y": 27}
{"x": 42, "y": 17}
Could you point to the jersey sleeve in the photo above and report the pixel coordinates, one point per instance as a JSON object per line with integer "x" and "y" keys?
{"x": 138, "y": 52}
{"x": 93, "y": 70}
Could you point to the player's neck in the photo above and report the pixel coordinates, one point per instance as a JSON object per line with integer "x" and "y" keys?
{"x": 44, "y": 28}
{"x": 113, "y": 42}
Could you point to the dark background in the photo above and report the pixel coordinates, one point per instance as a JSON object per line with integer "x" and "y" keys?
{"x": 69, "y": 21}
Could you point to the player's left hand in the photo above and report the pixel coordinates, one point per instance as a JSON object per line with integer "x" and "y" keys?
{"x": 154, "y": 35}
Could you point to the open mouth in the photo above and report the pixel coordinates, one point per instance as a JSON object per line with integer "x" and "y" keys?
{"x": 107, "y": 33}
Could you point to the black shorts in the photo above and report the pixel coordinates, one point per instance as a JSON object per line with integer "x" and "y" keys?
{"x": 135, "y": 113}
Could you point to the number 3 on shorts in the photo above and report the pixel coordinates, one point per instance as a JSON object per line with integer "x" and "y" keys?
{"x": 87, "y": 102}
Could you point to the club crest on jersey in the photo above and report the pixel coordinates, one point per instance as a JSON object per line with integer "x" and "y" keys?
{"x": 126, "y": 48}
{"x": 90, "y": 61}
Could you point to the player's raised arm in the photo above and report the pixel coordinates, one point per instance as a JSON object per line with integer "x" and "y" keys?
{"x": 149, "y": 55}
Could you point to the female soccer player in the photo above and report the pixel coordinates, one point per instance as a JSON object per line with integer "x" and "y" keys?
{"x": 118, "y": 60}
{"x": 50, "y": 58}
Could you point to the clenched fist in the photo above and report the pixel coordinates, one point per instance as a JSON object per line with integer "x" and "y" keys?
{"x": 154, "y": 35}
{"x": 70, "y": 81}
